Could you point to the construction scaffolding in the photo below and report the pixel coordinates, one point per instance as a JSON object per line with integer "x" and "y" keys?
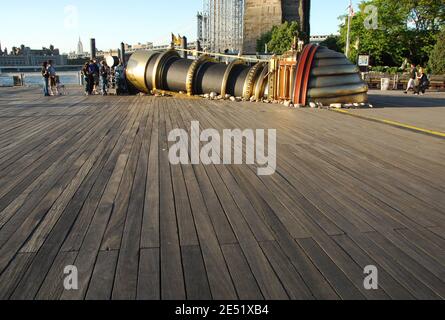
{"x": 220, "y": 25}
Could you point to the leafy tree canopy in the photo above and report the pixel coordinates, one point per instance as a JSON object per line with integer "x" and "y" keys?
{"x": 279, "y": 39}
{"x": 437, "y": 56}
{"x": 404, "y": 29}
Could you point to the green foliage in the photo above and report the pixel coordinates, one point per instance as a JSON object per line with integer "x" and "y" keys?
{"x": 279, "y": 39}
{"x": 405, "y": 29}
{"x": 261, "y": 42}
{"x": 333, "y": 43}
{"x": 437, "y": 56}
{"x": 387, "y": 70}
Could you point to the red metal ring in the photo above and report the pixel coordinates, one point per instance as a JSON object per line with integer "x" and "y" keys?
{"x": 307, "y": 75}
{"x": 299, "y": 74}
{"x": 303, "y": 73}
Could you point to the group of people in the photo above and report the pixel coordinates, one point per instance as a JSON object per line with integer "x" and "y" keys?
{"x": 95, "y": 73}
{"x": 49, "y": 79}
{"x": 98, "y": 74}
{"x": 418, "y": 81}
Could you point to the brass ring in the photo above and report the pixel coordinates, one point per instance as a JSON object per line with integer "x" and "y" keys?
{"x": 193, "y": 70}
{"x": 250, "y": 80}
{"x": 159, "y": 62}
{"x": 227, "y": 75}
{"x": 261, "y": 83}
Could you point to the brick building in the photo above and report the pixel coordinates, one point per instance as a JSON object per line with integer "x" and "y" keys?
{"x": 261, "y": 15}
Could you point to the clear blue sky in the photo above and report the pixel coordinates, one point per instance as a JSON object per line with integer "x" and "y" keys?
{"x": 61, "y": 22}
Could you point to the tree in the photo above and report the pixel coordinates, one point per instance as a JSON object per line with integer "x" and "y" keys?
{"x": 404, "y": 29}
{"x": 263, "y": 41}
{"x": 437, "y": 56}
{"x": 332, "y": 42}
{"x": 280, "y": 39}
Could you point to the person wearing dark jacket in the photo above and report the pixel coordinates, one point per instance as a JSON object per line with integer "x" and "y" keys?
{"x": 424, "y": 83}
{"x": 104, "y": 74}
{"x": 45, "y": 75}
{"x": 86, "y": 78}
{"x": 92, "y": 71}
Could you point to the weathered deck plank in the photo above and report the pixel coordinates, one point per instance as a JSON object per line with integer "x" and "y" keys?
{"x": 88, "y": 182}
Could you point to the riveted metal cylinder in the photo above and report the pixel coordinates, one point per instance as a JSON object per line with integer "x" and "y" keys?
{"x": 209, "y": 78}
{"x": 138, "y": 67}
{"x": 175, "y": 73}
{"x": 325, "y": 76}
{"x": 334, "y": 79}
{"x": 321, "y": 75}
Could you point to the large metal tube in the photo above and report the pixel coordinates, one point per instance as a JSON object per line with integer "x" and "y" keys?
{"x": 209, "y": 77}
{"x": 175, "y": 74}
{"x": 148, "y": 70}
{"x": 321, "y": 75}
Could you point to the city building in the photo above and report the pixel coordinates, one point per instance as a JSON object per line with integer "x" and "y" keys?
{"x": 317, "y": 39}
{"x": 139, "y": 46}
{"x": 80, "y": 47}
{"x": 261, "y": 16}
{"x": 25, "y": 56}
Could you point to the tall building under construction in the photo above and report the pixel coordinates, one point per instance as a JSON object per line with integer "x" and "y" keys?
{"x": 236, "y": 25}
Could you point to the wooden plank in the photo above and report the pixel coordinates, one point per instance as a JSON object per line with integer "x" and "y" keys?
{"x": 12, "y": 275}
{"x": 196, "y": 283}
{"x": 217, "y": 273}
{"x": 52, "y": 287}
{"x": 150, "y": 223}
{"x": 172, "y": 277}
{"x": 125, "y": 283}
{"x": 243, "y": 278}
{"x": 419, "y": 271}
{"x": 394, "y": 289}
{"x": 149, "y": 275}
{"x": 91, "y": 244}
{"x": 44, "y": 258}
{"x": 115, "y": 227}
{"x": 292, "y": 281}
{"x": 345, "y": 288}
{"x": 32, "y": 219}
{"x": 186, "y": 225}
{"x": 101, "y": 283}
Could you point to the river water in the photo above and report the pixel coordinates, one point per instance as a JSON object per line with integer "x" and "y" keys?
{"x": 35, "y": 78}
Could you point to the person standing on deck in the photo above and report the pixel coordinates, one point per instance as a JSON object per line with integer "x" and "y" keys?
{"x": 52, "y": 78}
{"x": 86, "y": 78}
{"x": 94, "y": 73}
{"x": 413, "y": 78}
{"x": 91, "y": 71}
{"x": 45, "y": 75}
{"x": 121, "y": 85}
{"x": 104, "y": 73}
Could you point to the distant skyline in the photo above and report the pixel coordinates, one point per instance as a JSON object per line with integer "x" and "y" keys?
{"x": 140, "y": 21}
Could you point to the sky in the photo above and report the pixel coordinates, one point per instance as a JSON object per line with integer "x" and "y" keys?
{"x": 61, "y": 22}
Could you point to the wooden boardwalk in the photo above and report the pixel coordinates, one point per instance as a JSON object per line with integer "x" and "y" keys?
{"x": 86, "y": 181}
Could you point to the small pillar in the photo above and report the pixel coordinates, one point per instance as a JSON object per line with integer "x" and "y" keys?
{"x": 93, "y": 48}
{"x": 184, "y": 46}
{"x": 122, "y": 51}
